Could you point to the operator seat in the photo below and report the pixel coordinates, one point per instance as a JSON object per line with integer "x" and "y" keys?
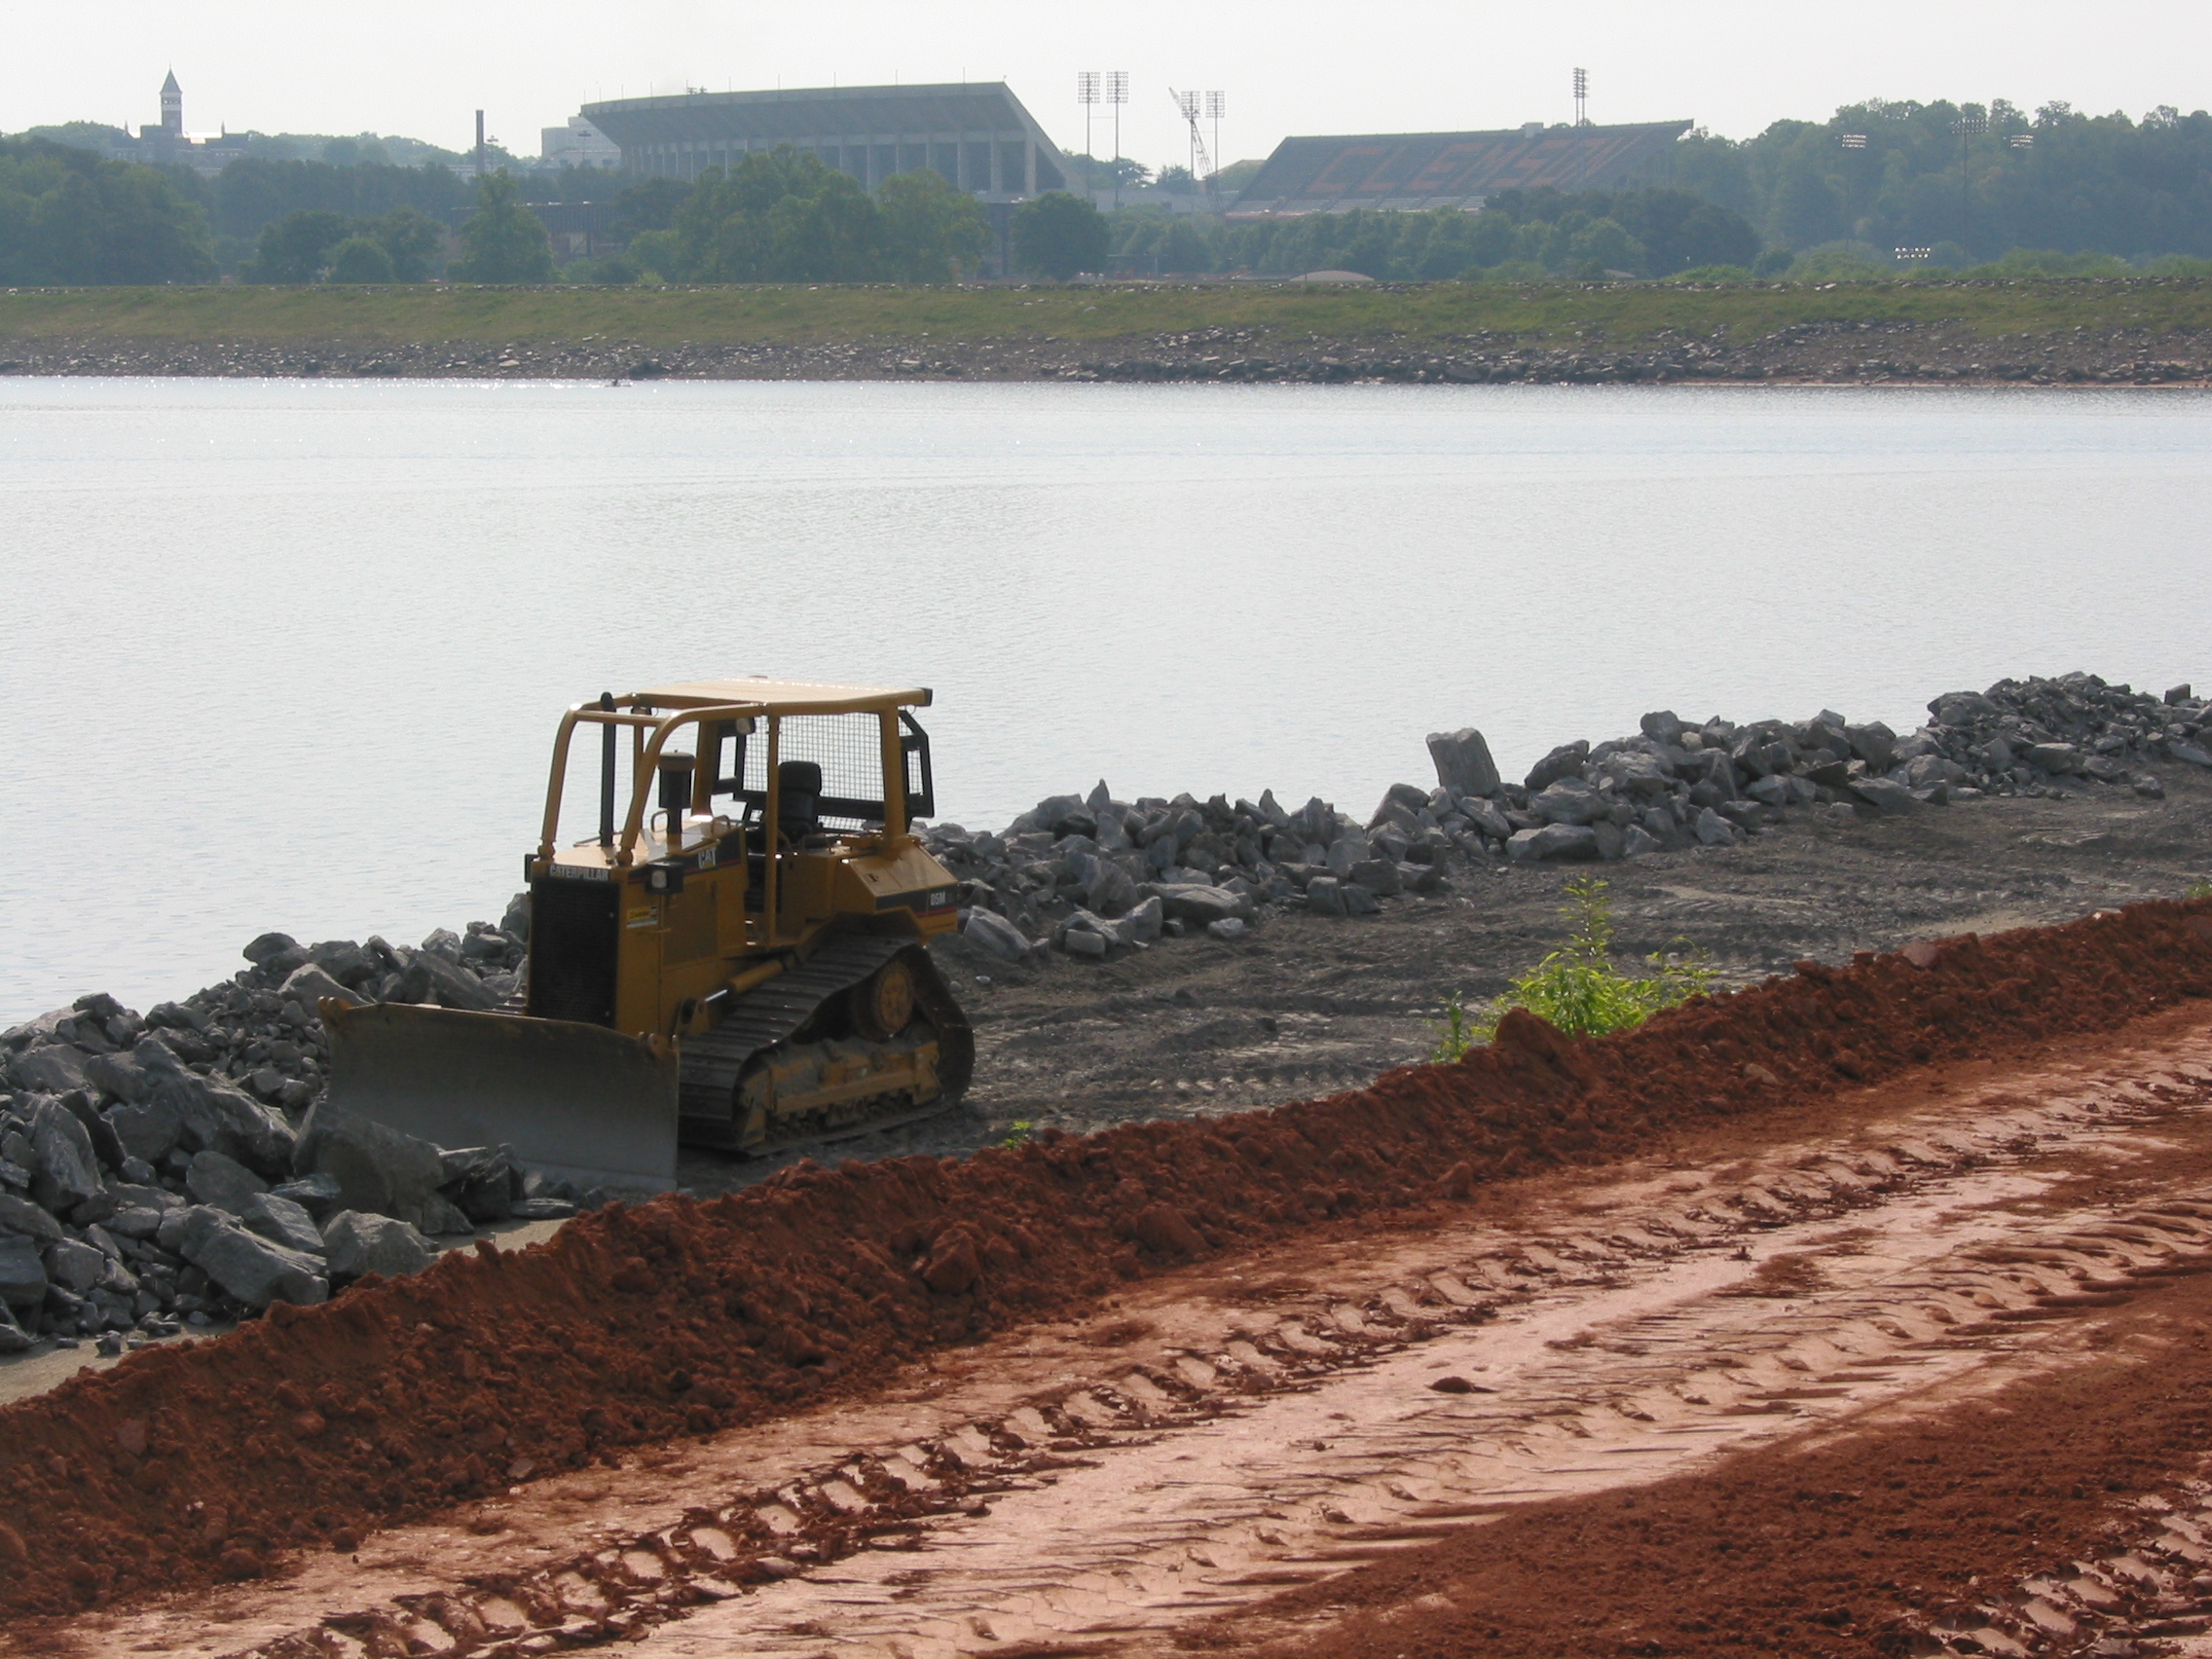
{"x": 798, "y": 810}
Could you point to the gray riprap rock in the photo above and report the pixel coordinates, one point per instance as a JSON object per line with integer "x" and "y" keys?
{"x": 1564, "y": 761}
{"x": 74, "y": 1265}
{"x": 254, "y": 1269}
{"x": 378, "y": 1170}
{"x": 66, "y": 1172}
{"x": 432, "y": 977}
{"x": 1714, "y": 830}
{"x": 1569, "y": 800}
{"x": 1203, "y": 905}
{"x": 354, "y": 1244}
{"x": 284, "y": 1222}
{"x": 216, "y": 1117}
{"x": 1358, "y": 901}
{"x": 1087, "y": 943}
{"x": 119, "y": 1077}
{"x": 136, "y": 1221}
{"x": 1873, "y": 743}
{"x": 1227, "y": 928}
{"x": 1926, "y": 771}
{"x": 20, "y": 1215}
{"x": 1640, "y": 841}
{"x": 995, "y": 934}
{"x": 1379, "y": 877}
{"x": 1487, "y": 817}
{"x": 1611, "y": 839}
{"x": 2194, "y": 754}
{"x": 22, "y": 1271}
{"x": 320, "y": 1195}
{"x": 264, "y": 946}
{"x": 1112, "y": 890}
{"x": 1141, "y": 926}
{"x": 2062, "y": 759}
{"x": 149, "y": 1130}
{"x": 14, "y": 1338}
{"x": 1463, "y": 763}
{"x": 1661, "y": 726}
{"x": 1885, "y": 795}
{"x": 1324, "y": 897}
{"x": 310, "y": 984}
{"x": 54, "y": 1069}
{"x": 1553, "y": 842}
{"x": 211, "y": 1178}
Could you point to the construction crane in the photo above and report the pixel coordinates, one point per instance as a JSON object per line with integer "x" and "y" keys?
{"x": 1202, "y": 161}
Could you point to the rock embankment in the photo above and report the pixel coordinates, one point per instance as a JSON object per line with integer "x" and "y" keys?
{"x": 172, "y": 1167}
{"x": 1094, "y": 876}
{"x": 1836, "y": 352}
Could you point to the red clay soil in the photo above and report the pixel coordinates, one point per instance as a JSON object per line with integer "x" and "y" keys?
{"x": 1843, "y": 1548}
{"x": 633, "y": 1325}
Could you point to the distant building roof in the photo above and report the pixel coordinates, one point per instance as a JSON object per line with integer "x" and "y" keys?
{"x": 977, "y": 133}
{"x": 1413, "y": 170}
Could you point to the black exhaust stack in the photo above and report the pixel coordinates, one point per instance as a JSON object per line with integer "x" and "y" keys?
{"x": 675, "y": 794}
{"x": 606, "y": 774}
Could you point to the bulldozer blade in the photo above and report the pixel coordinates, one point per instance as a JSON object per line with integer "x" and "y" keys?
{"x": 580, "y": 1102}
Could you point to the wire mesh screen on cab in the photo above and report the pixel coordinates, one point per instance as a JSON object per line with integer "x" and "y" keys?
{"x": 849, "y": 749}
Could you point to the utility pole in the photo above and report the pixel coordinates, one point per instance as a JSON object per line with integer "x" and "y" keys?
{"x": 479, "y": 143}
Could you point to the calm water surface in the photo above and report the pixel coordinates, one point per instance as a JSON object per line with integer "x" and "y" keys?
{"x": 289, "y": 654}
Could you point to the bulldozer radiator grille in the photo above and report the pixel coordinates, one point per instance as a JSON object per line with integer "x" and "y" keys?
{"x": 572, "y": 950}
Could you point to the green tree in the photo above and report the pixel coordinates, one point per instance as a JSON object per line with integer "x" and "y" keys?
{"x": 649, "y": 204}
{"x": 360, "y": 259}
{"x": 411, "y": 240}
{"x": 1057, "y": 235}
{"x": 503, "y": 241}
{"x": 932, "y": 232}
{"x": 68, "y": 215}
{"x": 780, "y": 215}
{"x": 295, "y": 248}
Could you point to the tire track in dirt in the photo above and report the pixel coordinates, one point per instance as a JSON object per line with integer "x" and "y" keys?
{"x": 1281, "y": 1431}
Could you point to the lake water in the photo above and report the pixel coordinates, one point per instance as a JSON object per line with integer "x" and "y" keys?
{"x": 289, "y": 654}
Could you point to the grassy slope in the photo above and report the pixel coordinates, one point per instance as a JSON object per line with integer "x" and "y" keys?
{"x": 1282, "y": 315}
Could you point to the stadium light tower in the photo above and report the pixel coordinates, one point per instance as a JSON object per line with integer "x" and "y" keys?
{"x": 1217, "y": 105}
{"x": 1086, "y": 94}
{"x": 1117, "y": 94}
{"x": 1582, "y": 97}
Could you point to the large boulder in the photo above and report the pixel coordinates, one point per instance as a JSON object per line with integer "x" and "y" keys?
{"x": 75, "y": 1265}
{"x": 213, "y": 1116}
{"x": 211, "y": 1178}
{"x": 66, "y": 1172}
{"x": 1463, "y": 763}
{"x": 282, "y": 1222}
{"x": 55, "y": 1068}
{"x": 1553, "y": 842}
{"x": 1564, "y": 761}
{"x": 120, "y": 1076}
{"x": 995, "y": 934}
{"x": 20, "y": 1215}
{"x": 378, "y": 1171}
{"x": 430, "y": 977}
{"x": 309, "y": 985}
{"x": 1203, "y": 905}
{"x": 22, "y": 1271}
{"x": 1569, "y": 800}
{"x": 250, "y": 1267}
{"x": 1885, "y": 795}
{"x": 354, "y": 1244}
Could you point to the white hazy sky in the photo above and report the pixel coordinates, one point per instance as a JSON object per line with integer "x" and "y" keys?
{"x": 406, "y": 66}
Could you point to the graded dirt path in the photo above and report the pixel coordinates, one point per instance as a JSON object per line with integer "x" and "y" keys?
{"x": 1287, "y": 1446}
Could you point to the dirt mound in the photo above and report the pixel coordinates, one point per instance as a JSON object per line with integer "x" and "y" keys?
{"x": 635, "y": 1326}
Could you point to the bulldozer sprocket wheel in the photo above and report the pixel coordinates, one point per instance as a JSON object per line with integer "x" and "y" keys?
{"x": 882, "y": 1004}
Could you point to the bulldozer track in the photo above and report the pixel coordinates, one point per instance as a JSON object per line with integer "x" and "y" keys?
{"x": 765, "y": 1017}
{"x": 1096, "y": 1491}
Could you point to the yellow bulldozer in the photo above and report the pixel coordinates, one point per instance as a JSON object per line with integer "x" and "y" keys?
{"x": 736, "y": 960}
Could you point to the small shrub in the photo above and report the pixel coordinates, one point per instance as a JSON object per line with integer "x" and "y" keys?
{"x": 1018, "y": 1131}
{"x": 2197, "y": 889}
{"x": 1576, "y": 987}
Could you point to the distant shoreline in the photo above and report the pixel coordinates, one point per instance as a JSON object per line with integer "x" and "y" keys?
{"x": 2153, "y": 331}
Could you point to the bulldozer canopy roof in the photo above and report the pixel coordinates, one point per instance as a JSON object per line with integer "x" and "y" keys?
{"x": 781, "y": 696}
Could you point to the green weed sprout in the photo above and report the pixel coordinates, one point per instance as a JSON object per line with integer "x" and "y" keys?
{"x": 1576, "y": 987}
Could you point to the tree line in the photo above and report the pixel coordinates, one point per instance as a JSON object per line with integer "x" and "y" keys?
{"x": 1967, "y": 181}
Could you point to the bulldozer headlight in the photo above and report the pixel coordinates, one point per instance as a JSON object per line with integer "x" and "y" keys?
{"x": 664, "y": 876}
